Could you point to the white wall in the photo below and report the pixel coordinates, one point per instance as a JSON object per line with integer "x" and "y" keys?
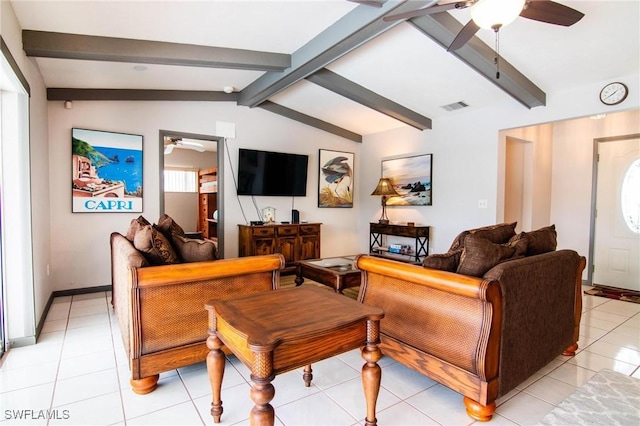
{"x": 85, "y": 261}
{"x": 39, "y": 162}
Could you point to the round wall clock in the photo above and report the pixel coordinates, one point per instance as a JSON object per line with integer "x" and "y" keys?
{"x": 269, "y": 214}
{"x": 614, "y": 93}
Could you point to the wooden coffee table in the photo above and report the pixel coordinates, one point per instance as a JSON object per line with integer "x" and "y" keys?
{"x": 336, "y": 272}
{"x": 277, "y": 331}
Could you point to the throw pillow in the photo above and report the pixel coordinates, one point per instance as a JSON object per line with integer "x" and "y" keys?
{"x": 458, "y": 241}
{"x": 192, "y": 250}
{"x": 155, "y": 246}
{"x": 168, "y": 226}
{"x": 444, "y": 262}
{"x": 499, "y": 234}
{"x": 479, "y": 255}
{"x": 542, "y": 240}
{"x": 136, "y": 225}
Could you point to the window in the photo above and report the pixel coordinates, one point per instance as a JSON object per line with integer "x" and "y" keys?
{"x": 180, "y": 180}
{"x": 630, "y": 197}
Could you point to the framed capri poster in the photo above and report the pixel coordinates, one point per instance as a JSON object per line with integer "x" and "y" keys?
{"x": 411, "y": 178}
{"x": 335, "y": 182}
{"x": 106, "y": 172}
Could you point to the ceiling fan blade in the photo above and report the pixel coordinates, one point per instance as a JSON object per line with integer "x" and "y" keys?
{"x": 168, "y": 149}
{"x": 464, "y": 35}
{"x": 550, "y": 12}
{"x": 192, "y": 145}
{"x": 429, "y": 10}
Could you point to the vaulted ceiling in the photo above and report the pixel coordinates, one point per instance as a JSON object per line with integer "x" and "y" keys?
{"x": 333, "y": 64}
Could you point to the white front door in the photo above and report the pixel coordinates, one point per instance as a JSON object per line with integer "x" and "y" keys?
{"x": 616, "y": 257}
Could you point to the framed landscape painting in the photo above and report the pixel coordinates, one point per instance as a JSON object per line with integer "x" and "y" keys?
{"x": 411, "y": 178}
{"x": 335, "y": 182}
{"x": 106, "y": 172}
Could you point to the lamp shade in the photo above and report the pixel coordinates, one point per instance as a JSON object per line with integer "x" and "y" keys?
{"x": 492, "y": 14}
{"x": 385, "y": 187}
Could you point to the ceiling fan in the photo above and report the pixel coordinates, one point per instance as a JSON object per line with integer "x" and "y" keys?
{"x": 495, "y": 14}
{"x": 181, "y": 143}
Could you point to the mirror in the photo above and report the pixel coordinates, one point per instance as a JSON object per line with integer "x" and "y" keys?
{"x": 201, "y": 211}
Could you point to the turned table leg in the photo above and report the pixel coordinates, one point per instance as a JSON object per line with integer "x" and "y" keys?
{"x": 371, "y": 371}
{"x": 262, "y": 391}
{"x": 307, "y": 375}
{"x": 215, "y": 369}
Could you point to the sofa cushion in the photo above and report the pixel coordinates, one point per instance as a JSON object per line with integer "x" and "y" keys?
{"x": 542, "y": 240}
{"x": 168, "y": 226}
{"x": 499, "y": 234}
{"x": 445, "y": 262}
{"x": 192, "y": 250}
{"x": 480, "y": 255}
{"x": 155, "y": 246}
{"x": 135, "y": 225}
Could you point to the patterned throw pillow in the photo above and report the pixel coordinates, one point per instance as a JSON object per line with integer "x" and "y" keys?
{"x": 499, "y": 234}
{"x": 155, "y": 246}
{"x": 168, "y": 226}
{"x": 480, "y": 255}
{"x": 444, "y": 262}
{"x": 542, "y": 240}
{"x": 136, "y": 225}
{"x": 192, "y": 250}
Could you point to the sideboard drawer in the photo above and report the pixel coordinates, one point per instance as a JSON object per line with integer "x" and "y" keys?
{"x": 309, "y": 229}
{"x": 267, "y": 231}
{"x": 287, "y": 230}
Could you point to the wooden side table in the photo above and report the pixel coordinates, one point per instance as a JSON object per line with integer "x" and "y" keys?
{"x": 277, "y": 331}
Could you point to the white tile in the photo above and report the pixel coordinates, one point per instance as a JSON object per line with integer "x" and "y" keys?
{"x": 290, "y": 387}
{"x": 634, "y": 321}
{"x": 350, "y": 396}
{"x": 441, "y": 404}
{"x": 81, "y": 311}
{"x": 628, "y": 330}
{"x": 84, "y": 387}
{"x": 31, "y": 398}
{"x": 572, "y": 374}
{"x": 524, "y": 409}
{"x": 619, "y": 307}
{"x": 236, "y": 405}
{"x": 597, "y": 362}
{"x": 26, "y": 356}
{"x": 89, "y": 296}
{"x": 80, "y": 365}
{"x": 618, "y": 352}
{"x": 315, "y": 410}
{"x": 591, "y": 332}
{"x": 184, "y": 414}
{"x": 100, "y": 410}
{"x": 54, "y": 325}
{"x": 198, "y": 384}
{"x": 332, "y": 371}
{"x": 90, "y": 320}
{"x": 403, "y": 381}
{"x": 62, "y": 299}
{"x": 622, "y": 340}
{"x": 590, "y": 321}
{"x": 403, "y": 414}
{"x": 550, "y": 390}
{"x": 58, "y": 311}
{"x": 24, "y": 377}
{"x": 606, "y": 316}
{"x": 170, "y": 391}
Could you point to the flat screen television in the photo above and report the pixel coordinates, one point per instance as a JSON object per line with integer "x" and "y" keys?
{"x": 272, "y": 173}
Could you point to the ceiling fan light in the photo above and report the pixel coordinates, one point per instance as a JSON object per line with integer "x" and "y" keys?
{"x": 492, "y": 14}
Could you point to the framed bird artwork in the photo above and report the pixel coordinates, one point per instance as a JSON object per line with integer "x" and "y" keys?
{"x": 335, "y": 182}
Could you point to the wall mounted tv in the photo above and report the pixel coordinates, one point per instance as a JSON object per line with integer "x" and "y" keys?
{"x": 272, "y": 173}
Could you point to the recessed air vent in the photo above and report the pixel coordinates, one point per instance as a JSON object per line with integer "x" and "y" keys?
{"x": 456, "y": 105}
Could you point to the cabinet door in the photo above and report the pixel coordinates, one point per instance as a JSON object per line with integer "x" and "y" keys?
{"x": 287, "y": 246}
{"x": 263, "y": 246}
{"x": 309, "y": 247}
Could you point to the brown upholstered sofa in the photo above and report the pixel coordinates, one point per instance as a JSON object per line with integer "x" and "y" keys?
{"x": 160, "y": 309}
{"x": 478, "y": 335}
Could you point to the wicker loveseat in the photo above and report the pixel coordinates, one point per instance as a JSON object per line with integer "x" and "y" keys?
{"x": 160, "y": 309}
{"x": 478, "y": 335}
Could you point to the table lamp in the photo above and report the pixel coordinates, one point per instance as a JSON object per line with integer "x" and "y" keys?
{"x": 384, "y": 188}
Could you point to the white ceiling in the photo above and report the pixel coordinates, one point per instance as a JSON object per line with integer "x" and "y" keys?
{"x": 402, "y": 64}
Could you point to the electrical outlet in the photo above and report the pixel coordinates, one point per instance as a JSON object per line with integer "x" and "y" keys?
{"x": 482, "y": 204}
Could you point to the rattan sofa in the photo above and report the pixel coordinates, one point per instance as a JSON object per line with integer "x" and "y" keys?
{"x": 160, "y": 309}
{"x": 479, "y": 336}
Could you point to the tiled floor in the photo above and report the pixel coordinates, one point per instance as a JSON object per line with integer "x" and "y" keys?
{"x": 78, "y": 374}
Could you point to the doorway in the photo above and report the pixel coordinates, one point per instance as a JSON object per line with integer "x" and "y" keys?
{"x": 616, "y": 222}
{"x": 188, "y": 153}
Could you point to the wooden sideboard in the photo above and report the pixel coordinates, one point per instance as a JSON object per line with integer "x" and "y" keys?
{"x": 294, "y": 241}
{"x": 208, "y": 202}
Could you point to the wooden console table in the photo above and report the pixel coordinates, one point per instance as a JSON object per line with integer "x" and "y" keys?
{"x": 309, "y": 325}
{"x": 419, "y": 234}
